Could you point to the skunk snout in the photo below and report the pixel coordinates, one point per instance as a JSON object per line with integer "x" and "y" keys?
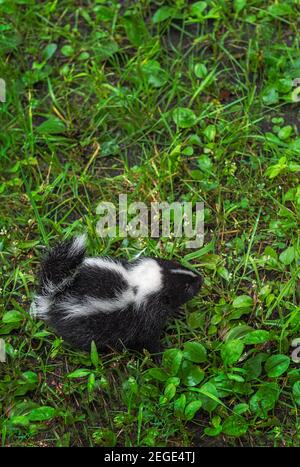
{"x": 193, "y": 287}
{"x": 197, "y": 284}
{"x": 199, "y": 281}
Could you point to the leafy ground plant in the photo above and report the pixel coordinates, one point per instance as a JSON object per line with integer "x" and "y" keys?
{"x": 164, "y": 101}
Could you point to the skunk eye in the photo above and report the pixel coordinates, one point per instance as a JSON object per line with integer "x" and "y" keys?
{"x": 187, "y": 287}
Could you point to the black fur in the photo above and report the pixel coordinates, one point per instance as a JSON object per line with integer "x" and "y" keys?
{"x": 65, "y": 276}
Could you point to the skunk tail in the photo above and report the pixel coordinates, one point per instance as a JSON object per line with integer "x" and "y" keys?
{"x": 60, "y": 263}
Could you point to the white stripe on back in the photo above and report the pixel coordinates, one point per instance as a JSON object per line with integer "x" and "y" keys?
{"x": 107, "y": 263}
{"x": 183, "y": 271}
{"x": 146, "y": 275}
{"x": 73, "y": 308}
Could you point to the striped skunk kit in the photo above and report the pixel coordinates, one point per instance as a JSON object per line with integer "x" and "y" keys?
{"x": 116, "y": 303}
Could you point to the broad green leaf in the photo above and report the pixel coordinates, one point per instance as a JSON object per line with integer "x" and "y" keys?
{"x": 22, "y": 408}
{"x": 12, "y": 316}
{"x": 170, "y": 391}
{"x": 224, "y": 273}
{"x": 30, "y": 377}
{"x": 280, "y": 9}
{"x": 293, "y": 167}
{"x": 204, "y": 162}
{"x": 195, "y": 140}
{"x": 200, "y": 70}
{"x": 188, "y": 151}
{"x": 67, "y": 50}
{"x": 242, "y": 301}
{"x": 42, "y": 414}
{"x": 256, "y": 337}
{"x": 269, "y": 251}
{"x": 287, "y": 256}
{"x": 80, "y": 373}
{"x": 196, "y": 320}
{"x": 51, "y": 126}
{"x": 235, "y": 425}
{"x": 150, "y": 391}
{"x": 270, "y": 96}
{"x": 172, "y": 360}
{"x": 20, "y": 420}
{"x": 274, "y": 170}
{"x": 253, "y": 366}
{"x": 285, "y": 132}
{"x": 197, "y": 9}
{"x": 163, "y": 13}
{"x": 209, "y": 396}
{"x": 239, "y": 5}
{"x": 238, "y": 312}
{"x": 276, "y": 365}
{"x": 195, "y": 352}
{"x": 213, "y": 431}
{"x": 179, "y": 405}
{"x": 223, "y": 385}
{"x": 231, "y": 351}
{"x": 210, "y": 132}
{"x": 238, "y": 332}
{"x": 157, "y": 373}
{"x": 191, "y": 409}
{"x": 192, "y": 374}
{"x": 294, "y": 375}
{"x": 49, "y": 51}
{"x": 173, "y": 380}
{"x": 184, "y": 118}
{"x": 240, "y": 408}
{"x": 105, "y": 13}
{"x": 153, "y": 73}
{"x": 264, "y": 399}
{"x": 235, "y": 377}
{"x": 28, "y": 382}
{"x": 295, "y": 143}
{"x": 83, "y": 56}
{"x": 28, "y": 245}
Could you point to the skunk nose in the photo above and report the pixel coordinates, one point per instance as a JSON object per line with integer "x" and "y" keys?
{"x": 198, "y": 281}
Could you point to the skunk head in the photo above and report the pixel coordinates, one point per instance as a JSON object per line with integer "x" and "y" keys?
{"x": 179, "y": 283}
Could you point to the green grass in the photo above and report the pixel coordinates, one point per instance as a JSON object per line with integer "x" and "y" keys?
{"x": 94, "y": 108}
